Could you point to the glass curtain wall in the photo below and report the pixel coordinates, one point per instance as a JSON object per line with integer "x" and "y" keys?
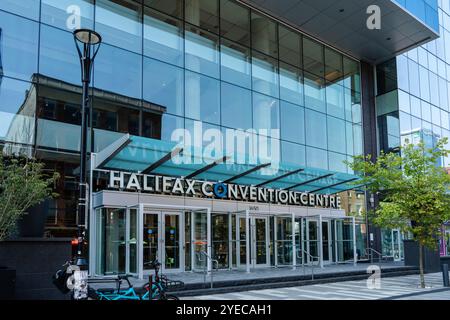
{"x": 186, "y": 61}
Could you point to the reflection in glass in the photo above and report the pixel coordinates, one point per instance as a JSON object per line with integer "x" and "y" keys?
{"x": 17, "y": 111}
{"x": 220, "y": 239}
{"x": 335, "y": 100}
{"x": 336, "y": 134}
{"x": 202, "y": 98}
{"x": 266, "y": 113}
{"x": 236, "y": 100}
{"x": 55, "y": 13}
{"x": 265, "y": 74}
{"x": 291, "y": 84}
{"x": 163, "y": 37}
{"x": 316, "y": 158}
{"x": 290, "y": 46}
{"x": 313, "y": 57}
{"x": 314, "y": 92}
{"x": 235, "y": 64}
{"x": 333, "y": 65}
{"x": 19, "y": 46}
{"x": 316, "y": 128}
{"x": 25, "y": 8}
{"x": 172, "y": 235}
{"x": 112, "y": 253}
{"x": 284, "y": 240}
{"x": 293, "y": 122}
{"x": 167, "y": 88}
{"x": 202, "y": 51}
{"x": 119, "y": 23}
{"x": 293, "y": 154}
{"x": 150, "y": 241}
{"x": 111, "y": 75}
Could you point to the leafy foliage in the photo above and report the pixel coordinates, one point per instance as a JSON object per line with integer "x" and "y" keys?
{"x": 414, "y": 190}
{"x": 23, "y": 184}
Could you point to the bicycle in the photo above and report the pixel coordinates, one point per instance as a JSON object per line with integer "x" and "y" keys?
{"x": 157, "y": 290}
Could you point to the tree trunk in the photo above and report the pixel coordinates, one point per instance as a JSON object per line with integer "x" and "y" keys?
{"x": 422, "y": 273}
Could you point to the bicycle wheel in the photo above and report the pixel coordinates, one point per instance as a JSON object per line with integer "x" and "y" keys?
{"x": 170, "y": 297}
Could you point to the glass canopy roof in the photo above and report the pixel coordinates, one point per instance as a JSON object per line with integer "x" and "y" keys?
{"x": 150, "y": 156}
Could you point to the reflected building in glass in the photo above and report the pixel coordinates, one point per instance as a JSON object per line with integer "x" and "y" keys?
{"x": 184, "y": 79}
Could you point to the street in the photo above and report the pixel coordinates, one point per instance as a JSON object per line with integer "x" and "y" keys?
{"x": 396, "y": 288}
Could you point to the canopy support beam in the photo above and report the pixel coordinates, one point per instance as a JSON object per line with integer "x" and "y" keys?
{"x": 207, "y": 167}
{"x": 309, "y": 181}
{"x": 248, "y": 172}
{"x": 280, "y": 177}
{"x": 334, "y": 185}
{"x": 163, "y": 160}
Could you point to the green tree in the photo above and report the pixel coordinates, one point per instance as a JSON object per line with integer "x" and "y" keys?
{"x": 413, "y": 192}
{"x": 23, "y": 184}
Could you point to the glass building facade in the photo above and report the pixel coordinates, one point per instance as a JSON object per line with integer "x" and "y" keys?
{"x": 413, "y": 99}
{"x": 167, "y": 65}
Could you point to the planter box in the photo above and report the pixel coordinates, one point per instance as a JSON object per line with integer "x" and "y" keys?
{"x": 7, "y": 283}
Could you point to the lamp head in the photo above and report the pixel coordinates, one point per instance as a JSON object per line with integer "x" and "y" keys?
{"x": 87, "y": 36}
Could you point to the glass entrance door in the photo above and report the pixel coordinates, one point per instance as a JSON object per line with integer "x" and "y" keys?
{"x": 161, "y": 234}
{"x": 396, "y": 245}
{"x": 260, "y": 241}
{"x": 312, "y": 242}
{"x": 326, "y": 242}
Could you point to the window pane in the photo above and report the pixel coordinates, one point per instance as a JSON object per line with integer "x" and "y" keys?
{"x": 203, "y": 13}
{"x": 17, "y": 110}
{"x": 25, "y": 8}
{"x": 236, "y": 101}
{"x": 424, "y": 84}
{"x": 265, "y": 112}
{"x": 163, "y": 37}
{"x": 265, "y": 74}
{"x": 264, "y": 35}
{"x": 316, "y": 158}
{"x": 202, "y": 53}
{"x": 352, "y": 74}
{"x": 55, "y": 13}
{"x": 291, "y": 84}
{"x": 293, "y": 154}
{"x": 316, "y": 128}
{"x": 434, "y": 89}
{"x": 335, "y": 100}
{"x": 413, "y": 70}
{"x": 349, "y": 137}
{"x": 58, "y": 53}
{"x": 336, "y": 134}
{"x": 112, "y": 117}
{"x": 119, "y": 23}
{"x": 333, "y": 65}
{"x": 172, "y": 7}
{"x": 235, "y": 22}
{"x": 169, "y": 125}
{"x": 357, "y": 140}
{"x": 19, "y": 39}
{"x": 167, "y": 89}
{"x": 202, "y": 98}
{"x": 236, "y": 67}
{"x": 290, "y": 46}
{"x": 336, "y": 162}
{"x": 111, "y": 75}
{"x": 292, "y": 122}
{"x": 314, "y": 92}
{"x": 313, "y": 59}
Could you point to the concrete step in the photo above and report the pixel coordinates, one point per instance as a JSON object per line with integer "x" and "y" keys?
{"x": 283, "y": 282}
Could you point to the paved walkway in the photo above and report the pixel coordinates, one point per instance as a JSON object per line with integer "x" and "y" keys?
{"x": 261, "y": 273}
{"x": 395, "y": 288}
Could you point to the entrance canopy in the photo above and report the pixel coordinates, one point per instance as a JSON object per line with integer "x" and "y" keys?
{"x": 150, "y": 156}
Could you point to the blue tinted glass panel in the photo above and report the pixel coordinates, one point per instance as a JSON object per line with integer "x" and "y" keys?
{"x": 25, "y": 8}
{"x": 316, "y": 129}
{"x": 163, "y": 38}
{"x": 202, "y": 51}
{"x": 292, "y": 122}
{"x": 110, "y": 74}
{"x": 316, "y": 158}
{"x": 58, "y": 53}
{"x": 291, "y": 84}
{"x": 17, "y": 110}
{"x": 68, "y": 14}
{"x": 120, "y": 25}
{"x": 293, "y": 154}
{"x": 202, "y": 98}
{"x": 335, "y": 100}
{"x": 336, "y": 135}
{"x": 265, "y": 74}
{"x": 266, "y": 113}
{"x": 166, "y": 89}
{"x": 19, "y": 40}
{"x": 314, "y": 92}
{"x": 235, "y": 64}
{"x": 169, "y": 125}
{"x": 236, "y": 101}
{"x": 336, "y": 162}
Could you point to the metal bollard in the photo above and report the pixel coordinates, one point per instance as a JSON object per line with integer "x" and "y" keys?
{"x": 445, "y": 275}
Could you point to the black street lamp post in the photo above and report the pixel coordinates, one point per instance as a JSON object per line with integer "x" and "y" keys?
{"x": 87, "y": 43}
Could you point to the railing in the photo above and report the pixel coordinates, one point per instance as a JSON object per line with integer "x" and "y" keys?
{"x": 205, "y": 266}
{"x": 370, "y": 252}
{"x": 312, "y": 258}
